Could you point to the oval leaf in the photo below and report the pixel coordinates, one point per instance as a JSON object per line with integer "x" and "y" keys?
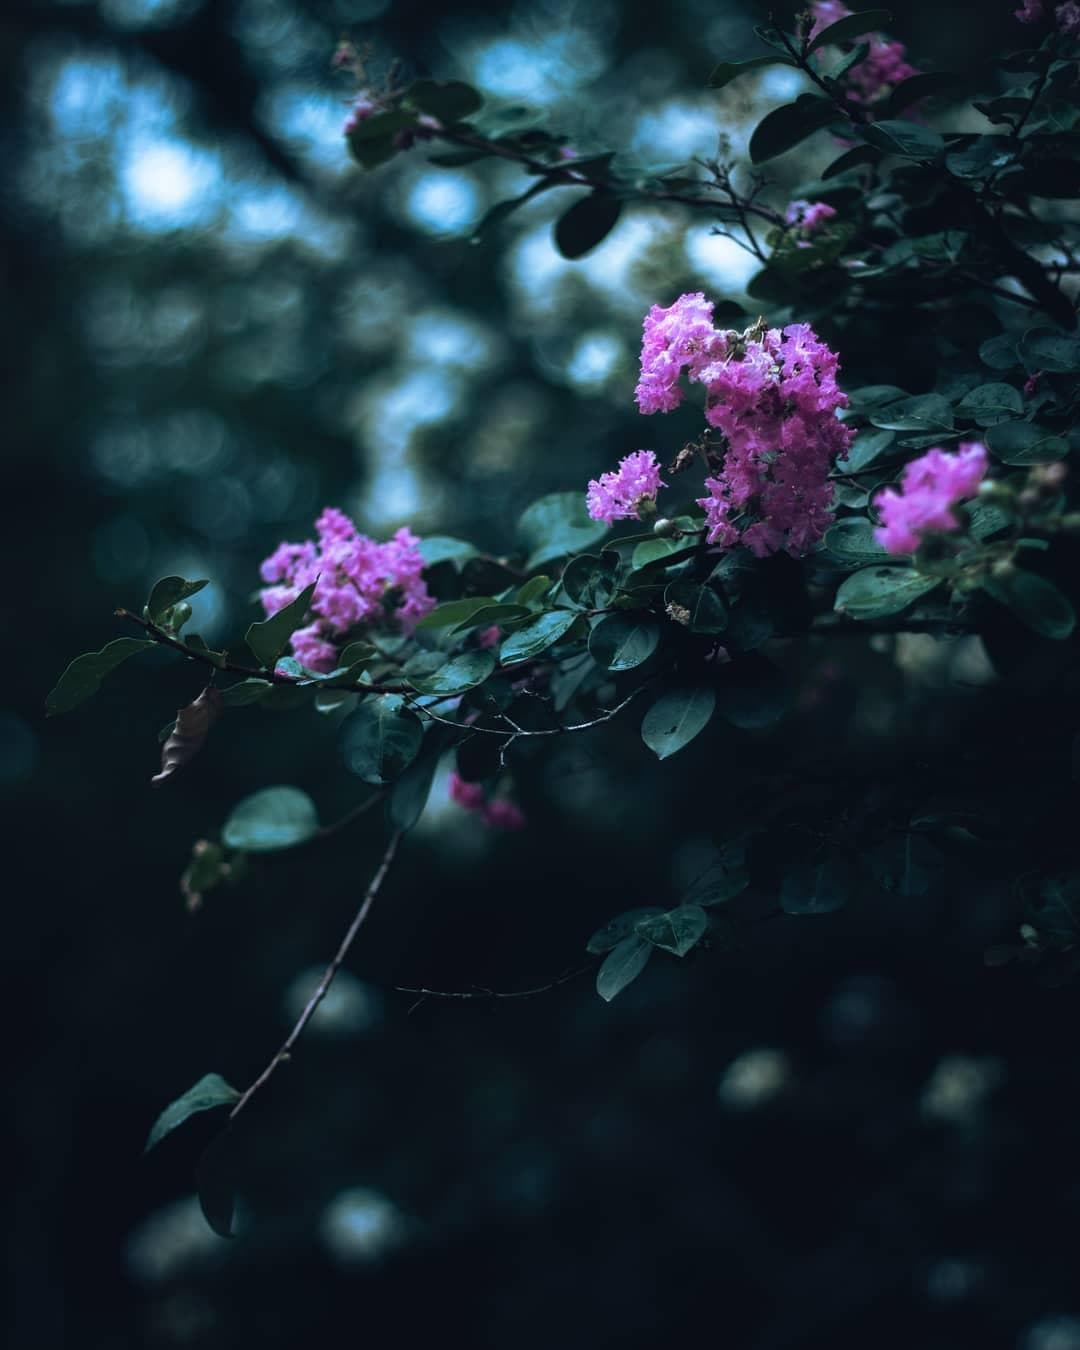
{"x": 1035, "y": 601}
{"x": 786, "y": 126}
{"x": 556, "y": 525}
{"x": 877, "y": 592}
{"x": 83, "y": 677}
{"x": 465, "y": 671}
{"x": 677, "y": 931}
{"x": 274, "y": 818}
{"x": 621, "y": 642}
{"x": 851, "y": 27}
{"x": 622, "y": 926}
{"x": 1026, "y": 443}
{"x": 852, "y": 541}
{"x": 676, "y": 718}
{"x": 168, "y": 592}
{"x": 588, "y": 221}
{"x": 269, "y": 638}
{"x": 209, "y": 1092}
{"x": 537, "y": 636}
{"x": 910, "y": 139}
{"x": 622, "y": 965}
{"x": 381, "y": 739}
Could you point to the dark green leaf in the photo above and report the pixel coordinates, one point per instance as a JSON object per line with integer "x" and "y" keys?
{"x": 852, "y": 541}
{"x": 244, "y": 693}
{"x": 990, "y": 403}
{"x": 852, "y": 159}
{"x": 166, "y": 593}
{"x": 999, "y": 353}
{"x": 676, "y": 717}
{"x": 921, "y": 412}
{"x": 867, "y": 447}
{"x": 1026, "y": 443}
{"x": 910, "y": 139}
{"x": 621, "y": 641}
{"x": 536, "y": 636}
{"x": 786, "y": 126}
{"x": 706, "y": 610}
{"x": 622, "y": 965}
{"x": 1049, "y": 350}
{"x": 380, "y": 739}
{"x": 727, "y": 71}
{"x": 454, "y": 612}
{"x": 499, "y": 615}
{"x": 677, "y": 931}
{"x": 83, "y": 677}
{"x": 877, "y": 592}
{"x": 623, "y": 926}
{"x": 909, "y": 865}
{"x": 409, "y": 795}
{"x": 271, "y": 819}
{"x": 464, "y": 671}
{"x": 269, "y": 638}
{"x": 556, "y": 525}
{"x": 589, "y": 581}
{"x": 439, "y": 548}
{"x": 533, "y": 592}
{"x": 875, "y": 396}
{"x": 209, "y": 1092}
{"x": 814, "y": 888}
{"x": 214, "y": 1185}
{"x": 1035, "y": 601}
{"x": 916, "y": 87}
{"x": 851, "y": 27}
{"x": 586, "y": 224}
{"x": 449, "y": 102}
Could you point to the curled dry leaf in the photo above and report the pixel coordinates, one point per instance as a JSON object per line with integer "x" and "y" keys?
{"x": 187, "y": 736}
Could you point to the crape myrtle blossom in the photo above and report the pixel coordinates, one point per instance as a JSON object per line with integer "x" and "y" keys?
{"x": 774, "y": 397}
{"x": 620, "y": 495}
{"x": 808, "y": 216}
{"x": 882, "y": 68}
{"x": 360, "y": 582}
{"x": 929, "y": 489}
{"x": 498, "y": 814}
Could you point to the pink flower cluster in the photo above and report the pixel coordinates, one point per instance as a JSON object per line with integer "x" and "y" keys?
{"x": 883, "y": 67}
{"x": 930, "y": 487}
{"x": 365, "y": 105}
{"x": 619, "y": 495}
{"x": 499, "y": 814}
{"x": 1067, "y": 15}
{"x": 774, "y": 397}
{"x": 360, "y": 583}
{"x": 807, "y": 217}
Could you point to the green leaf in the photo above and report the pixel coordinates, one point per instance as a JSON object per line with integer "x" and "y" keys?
{"x": 916, "y": 87}
{"x": 653, "y": 550}
{"x": 622, "y": 641}
{"x": 381, "y": 739}
{"x": 814, "y": 888}
{"x": 999, "y": 353}
{"x": 676, "y": 717}
{"x": 533, "y": 592}
{"x": 214, "y": 1185}
{"x": 852, "y": 159}
{"x": 852, "y": 541}
{"x": 168, "y": 592}
{"x": 194, "y": 643}
{"x": 410, "y": 793}
{"x": 536, "y": 636}
{"x": 850, "y": 28}
{"x": 786, "y": 126}
{"x": 209, "y": 1092}
{"x": 589, "y": 581}
{"x": 707, "y": 611}
{"x": 244, "y": 693}
{"x": 677, "y": 931}
{"x": 449, "y": 102}
{"x": 269, "y": 638}
{"x": 83, "y": 677}
{"x": 909, "y": 866}
{"x": 990, "y": 403}
{"x": 1049, "y": 350}
{"x": 910, "y": 139}
{"x": 1035, "y": 601}
{"x": 586, "y": 224}
{"x": 875, "y": 396}
{"x": 556, "y": 525}
{"x": 727, "y": 71}
{"x": 1026, "y": 443}
{"x": 454, "y": 612}
{"x": 271, "y": 819}
{"x": 877, "y": 592}
{"x": 622, "y": 965}
{"x": 921, "y": 412}
{"x": 464, "y": 671}
{"x": 720, "y": 882}
{"x": 501, "y": 615}
{"x": 623, "y": 926}
{"x": 439, "y": 548}
{"x": 867, "y": 447}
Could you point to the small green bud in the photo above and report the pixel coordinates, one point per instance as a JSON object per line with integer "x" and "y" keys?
{"x": 178, "y": 615}
{"x": 1002, "y": 569}
{"x": 664, "y": 528}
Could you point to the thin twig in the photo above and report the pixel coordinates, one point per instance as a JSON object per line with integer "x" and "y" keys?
{"x": 328, "y": 974}
{"x": 517, "y": 731}
{"x": 480, "y": 993}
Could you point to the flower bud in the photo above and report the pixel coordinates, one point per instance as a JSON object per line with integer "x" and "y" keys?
{"x": 664, "y": 528}
{"x": 178, "y": 615}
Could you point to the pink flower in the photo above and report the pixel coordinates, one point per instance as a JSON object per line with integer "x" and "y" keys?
{"x": 489, "y": 637}
{"x": 1068, "y": 18}
{"x": 365, "y": 105}
{"x": 825, "y": 14}
{"x": 619, "y": 495}
{"x": 1031, "y": 384}
{"x": 679, "y": 336}
{"x": 499, "y": 814}
{"x": 808, "y": 216}
{"x": 1031, "y": 11}
{"x": 930, "y": 487}
{"x": 468, "y": 795}
{"x": 882, "y": 68}
{"x": 360, "y": 584}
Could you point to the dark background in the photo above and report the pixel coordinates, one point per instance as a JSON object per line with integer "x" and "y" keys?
{"x": 839, "y": 1130}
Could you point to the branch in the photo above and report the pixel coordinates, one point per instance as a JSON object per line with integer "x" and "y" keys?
{"x": 328, "y": 974}
{"x": 479, "y": 993}
{"x": 515, "y": 730}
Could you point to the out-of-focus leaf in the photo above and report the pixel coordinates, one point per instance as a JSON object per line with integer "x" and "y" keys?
{"x": 83, "y": 677}
{"x": 587, "y": 223}
{"x": 271, "y": 819}
{"x": 190, "y": 730}
{"x": 676, "y": 717}
{"x": 877, "y": 592}
{"x": 381, "y": 738}
{"x": 556, "y": 525}
{"x": 852, "y": 26}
